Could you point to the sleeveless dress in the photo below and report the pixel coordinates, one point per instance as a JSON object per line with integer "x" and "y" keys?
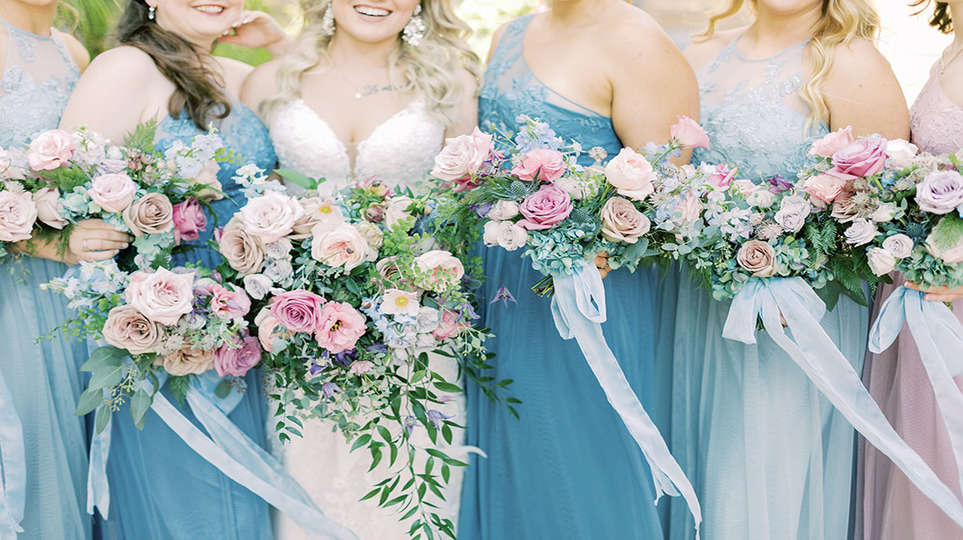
{"x": 893, "y": 508}
{"x": 770, "y": 458}
{"x": 159, "y": 487}
{"x": 568, "y": 468}
{"x": 38, "y": 77}
{"x": 399, "y": 152}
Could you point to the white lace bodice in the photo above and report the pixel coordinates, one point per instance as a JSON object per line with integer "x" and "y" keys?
{"x": 400, "y": 151}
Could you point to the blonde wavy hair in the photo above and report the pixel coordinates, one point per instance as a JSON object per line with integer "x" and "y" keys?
{"x": 429, "y": 69}
{"x": 841, "y": 22}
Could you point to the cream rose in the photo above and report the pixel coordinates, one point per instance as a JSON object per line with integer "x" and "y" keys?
{"x": 244, "y": 252}
{"x": 631, "y": 174}
{"x": 213, "y": 190}
{"x": 129, "y": 329}
{"x": 162, "y": 296}
{"x": 757, "y": 257}
{"x": 462, "y": 156}
{"x": 113, "y": 192}
{"x": 151, "y": 214}
{"x": 316, "y": 210}
{"x": 342, "y": 245}
{"x": 18, "y": 213}
{"x": 48, "y": 207}
{"x": 188, "y": 361}
{"x": 621, "y": 222}
{"x": 505, "y": 234}
{"x": 50, "y": 150}
{"x": 271, "y": 216}
{"x": 503, "y": 210}
{"x": 901, "y": 153}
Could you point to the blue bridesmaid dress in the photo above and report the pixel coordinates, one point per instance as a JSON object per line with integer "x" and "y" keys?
{"x": 41, "y": 374}
{"x": 770, "y": 458}
{"x": 159, "y": 487}
{"x": 568, "y": 468}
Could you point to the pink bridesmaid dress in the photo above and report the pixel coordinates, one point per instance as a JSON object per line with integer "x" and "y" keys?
{"x": 893, "y": 509}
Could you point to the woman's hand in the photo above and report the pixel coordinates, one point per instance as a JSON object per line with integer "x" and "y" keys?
{"x": 602, "y": 263}
{"x": 938, "y": 294}
{"x": 95, "y": 240}
{"x": 257, "y": 30}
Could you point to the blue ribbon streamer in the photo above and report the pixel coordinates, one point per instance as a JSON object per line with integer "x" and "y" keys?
{"x": 816, "y": 354}
{"x": 13, "y": 484}
{"x": 939, "y": 339}
{"x": 578, "y": 308}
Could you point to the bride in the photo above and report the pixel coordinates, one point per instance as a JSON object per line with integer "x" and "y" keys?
{"x": 369, "y": 92}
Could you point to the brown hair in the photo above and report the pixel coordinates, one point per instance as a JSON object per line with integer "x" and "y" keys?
{"x": 198, "y": 86}
{"x": 941, "y": 15}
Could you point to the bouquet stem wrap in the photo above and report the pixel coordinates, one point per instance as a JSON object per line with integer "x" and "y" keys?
{"x": 13, "y": 484}
{"x": 578, "y": 308}
{"x": 939, "y": 339}
{"x": 227, "y": 448}
{"x": 816, "y": 354}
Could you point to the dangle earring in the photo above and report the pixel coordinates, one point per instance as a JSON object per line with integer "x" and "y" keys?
{"x": 414, "y": 31}
{"x": 151, "y": 12}
{"x": 327, "y": 21}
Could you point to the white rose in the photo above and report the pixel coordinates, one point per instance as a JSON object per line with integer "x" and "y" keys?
{"x": 884, "y": 213}
{"x": 881, "y": 262}
{"x": 271, "y": 216}
{"x": 790, "y": 221}
{"x": 901, "y": 153}
{"x": 899, "y": 245}
{"x": 490, "y": 236}
{"x": 761, "y": 199}
{"x": 505, "y": 234}
{"x": 503, "y": 210}
{"x": 257, "y": 285}
{"x": 860, "y": 232}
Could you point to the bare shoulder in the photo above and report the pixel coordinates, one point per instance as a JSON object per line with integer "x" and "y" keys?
{"x": 859, "y": 62}
{"x": 235, "y": 72}
{"x": 78, "y": 53}
{"x": 468, "y": 81}
{"x": 702, "y": 51}
{"x": 627, "y": 27}
{"x": 260, "y": 84}
{"x": 137, "y": 68}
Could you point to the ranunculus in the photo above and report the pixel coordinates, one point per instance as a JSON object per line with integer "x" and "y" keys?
{"x": 450, "y": 325}
{"x": 621, "y": 222}
{"x": 298, "y": 310}
{"x": 860, "y": 232}
{"x": 128, "y": 329}
{"x": 341, "y": 246}
{"x": 398, "y": 302}
{"x": 880, "y": 261}
{"x": 340, "y": 327}
{"x": 316, "y": 210}
{"x": 151, "y": 214}
{"x": 441, "y": 266}
{"x": 949, "y": 255}
{"x": 540, "y": 164}
{"x": 545, "y": 208}
{"x": 502, "y": 210}
{"x": 48, "y": 204}
{"x": 113, "y": 192}
{"x": 237, "y": 358}
{"x": 901, "y": 153}
{"x": 631, "y": 174}
{"x": 861, "y": 158}
{"x": 207, "y": 177}
{"x": 267, "y": 329}
{"x": 187, "y": 361}
{"x": 461, "y": 158}
{"x": 372, "y": 235}
{"x": 396, "y": 210}
{"x": 720, "y": 176}
{"x": 162, "y": 296}
{"x": 505, "y": 234}
{"x": 189, "y": 220}
{"x": 689, "y": 133}
{"x": 757, "y": 257}
{"x": 228, "y": 304}
{"x": 242, "y": 251}
{"x": 941, "y": 192}
{"x": 832, "y": 142}
{"x": 271, "y": 216}
{"x": 899, "y": 245}
{"x": 50, "y": 150}
{"x": 824, "y": 187}
{"x": 18, "y": 213}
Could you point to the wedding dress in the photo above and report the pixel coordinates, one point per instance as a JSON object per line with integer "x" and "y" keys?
{"x": 399, "y": 152}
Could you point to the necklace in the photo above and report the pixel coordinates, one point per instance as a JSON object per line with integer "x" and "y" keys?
{"x": 372, "y": 89}
{"x": 950, "y": 55}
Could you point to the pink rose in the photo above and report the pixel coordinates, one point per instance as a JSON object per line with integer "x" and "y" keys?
{"x": 228, "y": 304}
{"x": 113, "y": 192}
{"x": 268, "y": 329}
{"x": 162, "y": 296}
{"x": 860, "y": 159}
{"x": 18, "y": 213}
{"x": 48, "y": 207}
{"x": 824, "y": 187}
{"x": 832, "y": 143}
{"x": 128, "y": 329}
{"x": 631, "y": 174}
{"x": 340, "y": 327}
{"x": 187, "y": 361}
{"x": 298, "y": 311}
{"x": 271, "y": 217}
{"x": 151, "y": 214}
{"x": 721, "y": 176}
{"x": 689, "y": 133}
{"x": 50, "y": 150}
{"x": 462, "y": 158}
{"x": 622, "y": 222}
{"x": 545, "y": 208}
{"x": 342, "y": 245}
{"x": 237, "y": 358}
{"x": 540, "y": 164}
{"x": 189, "y": 220}
{"x": 450, "y": 325}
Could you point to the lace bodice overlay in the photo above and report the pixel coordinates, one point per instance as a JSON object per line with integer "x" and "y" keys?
{"x": 753, "y": 113}
{"x": 38, "y": 78}
{"x": 400, "y": 151}
{"x": 511, "y": 89}
{"x": 936, "y": 121}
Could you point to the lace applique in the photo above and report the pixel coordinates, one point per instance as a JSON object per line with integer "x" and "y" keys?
{"x": 937, "y": 122}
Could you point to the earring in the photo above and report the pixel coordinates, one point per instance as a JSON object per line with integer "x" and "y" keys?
{"x": 151, "y": 13}
{"x": 327, "y": 22}
{"x": 414, "y": 31}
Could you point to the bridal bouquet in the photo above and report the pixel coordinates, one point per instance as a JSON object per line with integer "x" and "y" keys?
{"x": 358, "y": 311}
{"x": 63, "y": 178}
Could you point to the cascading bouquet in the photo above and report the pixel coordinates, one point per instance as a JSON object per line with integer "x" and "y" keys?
{"x": 362, "y": 319}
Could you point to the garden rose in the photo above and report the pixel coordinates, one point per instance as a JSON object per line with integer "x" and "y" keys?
{"x": 689, "y": 133}
{"x": 268, "y": 329}
{"x": 189, "y": 220}
{"x": 545, "y": 208}
{"x": 162, "y": 296}
{"x": 271, "y": 216}
{"x": 151, "y": 214}
{"x": 860, "y": 232}
{"x": 112, "y": 192}
{"x": 128, "y": 329}
{"x": 631, "y": 174}
{"x": 316, "y": 210}
{"x": 237, "y": 358}
{"x": 398, "y": 302}
{"x": 824, "y": 188}
{"x": 505, "y": 234}
{"x": 861, "y": 158}
{"x": 621, "y": 222}
{"x": 691, "y": 208}
{"x": 18, "y": 213}
{"x": 50, "y": 150}
{"x": 757, "y": 257}
{"x": 880, "y": 261}
{"x": 950, "y": 255}
{"x": 901, "y": 153}
{"x": 503, "y": 210}
{"x": 341, "y": 246}
{"x": 242, "y": 251}
{"x": 832, "y": 143}
{"x": 441, "y": 266}
{"x": 228, "y": 304}
{"x": 941, "y": 192}
{"x": 540, "y": 164}
{"x": 298, "y": 310}
{"x": 462, "y": 158}
{"x": 48, "y": 204}
{"x": 450, "y": 325}
{"x": 340, "y": 327}
{"x": 187, "y": 361}
{"x": 899, "y": 245}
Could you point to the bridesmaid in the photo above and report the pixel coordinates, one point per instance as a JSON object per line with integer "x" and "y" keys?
{"x": 892, "y": 507}
{"x": 164, "y": 71}
{"x": 769, "y": 456}
{"x": 568, "y": 468}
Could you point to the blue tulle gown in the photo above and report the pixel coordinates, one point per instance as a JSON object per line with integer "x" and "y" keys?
{"x": 38, "y": 77}
{"x": 770, "y": 458}
{"x": 568, "y": 468}
{"x": 159, "y": 487}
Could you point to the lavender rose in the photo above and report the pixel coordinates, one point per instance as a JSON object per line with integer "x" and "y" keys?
{"x": 237, "y": 358}
{"x": 880, "y": 261}
{"x": 941, "y": 192}
{"x": 757, "y": 257}
{"x": 899, "y": 245}
{"x": 129, "y": 329}
{"x": 298, "y": 310}
{"x": 621, "y": 222}
{"x": 545, "y": 208}
{"x": 860, "y": 232}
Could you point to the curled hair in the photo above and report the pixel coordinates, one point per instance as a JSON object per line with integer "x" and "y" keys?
{"x": 840, "y": 23}
{"x": 198, "y": 86}
{"x": 429, "y": 68}
{"x": 941, "y": 15}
